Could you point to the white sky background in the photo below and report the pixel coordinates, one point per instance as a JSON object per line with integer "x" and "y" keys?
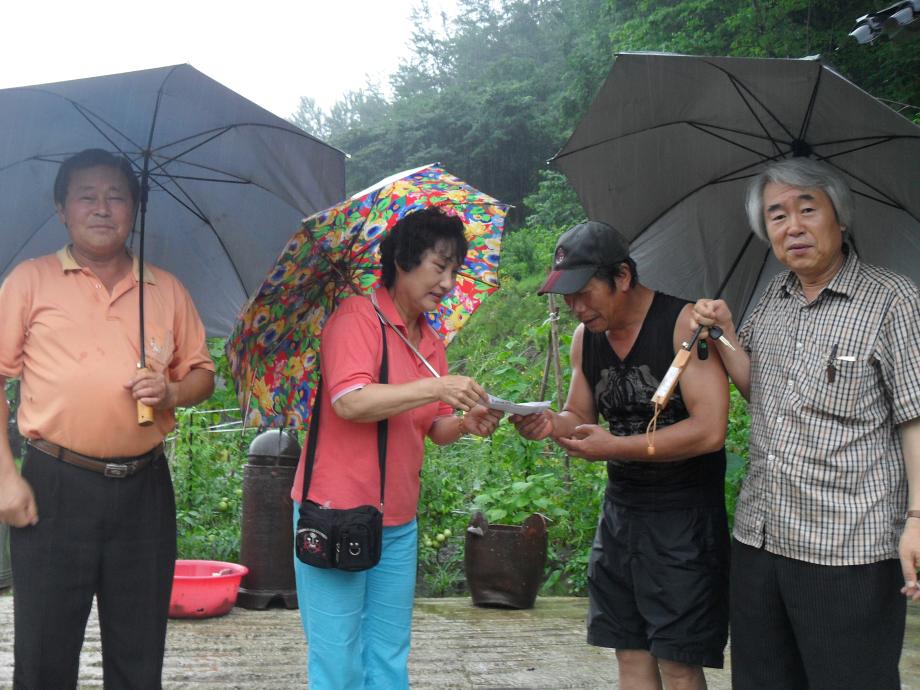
{"x": 270, "y": 51}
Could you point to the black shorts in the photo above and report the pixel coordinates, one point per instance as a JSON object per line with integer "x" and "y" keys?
{"x": 658, "y": 581}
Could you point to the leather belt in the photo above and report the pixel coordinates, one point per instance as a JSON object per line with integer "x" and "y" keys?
{"x": 116, "y": 469}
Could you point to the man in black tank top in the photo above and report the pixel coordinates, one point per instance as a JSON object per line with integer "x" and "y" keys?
{"x": 658, "y": 571}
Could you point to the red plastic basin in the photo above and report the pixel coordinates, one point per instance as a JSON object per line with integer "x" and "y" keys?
{"x": 203, "y": 589}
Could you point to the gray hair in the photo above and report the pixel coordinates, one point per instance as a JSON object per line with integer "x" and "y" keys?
{"x": 799, "y": 172}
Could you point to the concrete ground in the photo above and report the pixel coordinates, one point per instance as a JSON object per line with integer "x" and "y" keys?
{"x": 455, "y": 645}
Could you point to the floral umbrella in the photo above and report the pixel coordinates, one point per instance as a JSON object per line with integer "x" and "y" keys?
{"x": 274, "y": 348}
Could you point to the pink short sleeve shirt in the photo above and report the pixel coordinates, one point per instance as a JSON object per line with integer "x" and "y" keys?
{"x": 346, "y": 472}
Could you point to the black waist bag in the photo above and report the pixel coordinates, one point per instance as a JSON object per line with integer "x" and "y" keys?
{"x": 350, "y": 538}
{"x": 333, "y": 538}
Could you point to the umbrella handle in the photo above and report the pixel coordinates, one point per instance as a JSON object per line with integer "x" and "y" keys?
{"x": 144, "y": 412}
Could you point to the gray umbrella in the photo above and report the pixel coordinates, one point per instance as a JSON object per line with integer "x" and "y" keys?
{"x": 666, "y": 150}
{"x": 227, "y": 179}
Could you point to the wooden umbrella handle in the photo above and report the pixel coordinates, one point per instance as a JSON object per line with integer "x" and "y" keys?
{"x": 669, "y": 381}
{"x": 144, "y": 412}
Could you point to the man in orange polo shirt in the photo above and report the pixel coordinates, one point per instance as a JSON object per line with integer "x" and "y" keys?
{"x": 93, "y": 511}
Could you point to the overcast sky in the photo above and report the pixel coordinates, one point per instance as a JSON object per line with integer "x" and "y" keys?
{"x": 271, "y": 51}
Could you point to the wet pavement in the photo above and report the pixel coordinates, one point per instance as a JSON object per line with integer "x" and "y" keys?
{"x": 455, "y": 645}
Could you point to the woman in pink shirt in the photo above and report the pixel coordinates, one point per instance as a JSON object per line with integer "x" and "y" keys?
{"x": 358, "y": 624}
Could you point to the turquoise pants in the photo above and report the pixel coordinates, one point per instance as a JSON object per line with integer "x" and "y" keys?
{"x": 358, "y": 625}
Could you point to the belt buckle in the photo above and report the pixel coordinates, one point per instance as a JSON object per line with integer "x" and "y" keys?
{"x": 115, "y": 470}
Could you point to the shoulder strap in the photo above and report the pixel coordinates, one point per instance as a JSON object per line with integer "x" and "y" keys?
{"x": 385, "y": 320}
{"x": 382, "y": 429}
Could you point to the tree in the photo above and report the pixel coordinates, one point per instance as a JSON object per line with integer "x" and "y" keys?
{"x": 772, "y": 28}
{"x": 494, "y": 92}
{"x": 311, "y": 118}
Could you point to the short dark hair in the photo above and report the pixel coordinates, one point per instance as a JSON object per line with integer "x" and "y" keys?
{"x": 612, "y": 272}
{"x": 414, "y": 234}
{"x": 91, "y": 158}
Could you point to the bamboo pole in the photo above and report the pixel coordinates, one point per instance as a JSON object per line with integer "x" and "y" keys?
{"x": 557, "y": 367}
{"x": 546, "y": 366}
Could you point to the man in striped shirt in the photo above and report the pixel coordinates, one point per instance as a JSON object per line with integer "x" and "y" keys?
{"x": 830, "y": 363}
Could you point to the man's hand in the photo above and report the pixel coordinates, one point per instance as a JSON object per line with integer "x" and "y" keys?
{"x": 711, "y": 312}
{"x": 909, "y": 551}
{"x": 480, "y": 421}
{"x": 151, "y": 388}
{"x": 590, "y": 441}
{"x": 17, "y": 502}
{"x": 534, "y": 427}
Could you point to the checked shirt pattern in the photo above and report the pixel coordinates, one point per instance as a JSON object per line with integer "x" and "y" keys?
{"x": 826, "y": 480}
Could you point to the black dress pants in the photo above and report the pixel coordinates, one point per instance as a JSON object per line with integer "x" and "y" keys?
{"x": 112, "y": 538}
{"x": 801, "y": 626}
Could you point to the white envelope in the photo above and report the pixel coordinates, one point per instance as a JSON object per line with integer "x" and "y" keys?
{"x": 522, "y": 409}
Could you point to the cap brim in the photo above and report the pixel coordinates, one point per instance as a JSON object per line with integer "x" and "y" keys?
{"x": 568, "y": 281}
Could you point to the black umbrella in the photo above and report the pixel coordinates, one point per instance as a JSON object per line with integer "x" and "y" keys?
{"x": 666, "y": 150}
{"x": 227, "y": 179}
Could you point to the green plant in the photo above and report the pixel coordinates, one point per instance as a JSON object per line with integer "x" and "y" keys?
{"x": 736, "y": 447}
{"x": 207, "y": 473}
{"x": 515, "y": 502}
{"x": 441, "y": 565}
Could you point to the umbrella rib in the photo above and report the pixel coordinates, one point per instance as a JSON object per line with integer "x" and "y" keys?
{"x": 27, "y": 240}
{"x": 216, "y": 133}
{"x": 198, "y": 213}
{"x": 873, "y": 141}
{"x": 223, "y": 129}
{"x": 738, "y": 84}
{"x": 885, "y": 198}
{"x": 692, "y": 123}
{"x": 878, "y": 141}
{"x": 40, "y": 158}
{"x": 191, "y": 206}
{"x": 703, "y": 129}
{"x": 809, "y": 111}
{"x": 885, "y": 202}
{"x": 754, "y": 114}
{"x": 86, "y": 113}
{"x": 200, "y": 179}
{"x": 231, "y": 177}
{"x": 747, "y": 302}
{"x": 220, "y": 131}
{"x": 156, "y": 111}
{"x": 731, "y": 271}
{"x": 727, "y": 177}
{"x": 475, "y": 279}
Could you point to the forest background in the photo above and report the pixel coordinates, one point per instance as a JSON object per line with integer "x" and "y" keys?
{"x": 492, "y": 94}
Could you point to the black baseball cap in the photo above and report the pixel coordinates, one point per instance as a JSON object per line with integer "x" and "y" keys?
{"x": 580, "y": 251}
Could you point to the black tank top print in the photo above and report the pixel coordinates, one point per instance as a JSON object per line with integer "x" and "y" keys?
{"x": 623, "y": 391}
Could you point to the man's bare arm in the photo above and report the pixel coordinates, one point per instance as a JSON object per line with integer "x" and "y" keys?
{"x": 704, "y": 388}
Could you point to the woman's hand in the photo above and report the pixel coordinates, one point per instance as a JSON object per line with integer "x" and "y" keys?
{"x": 460, "y": 392}
{"x": 480, "y": 421}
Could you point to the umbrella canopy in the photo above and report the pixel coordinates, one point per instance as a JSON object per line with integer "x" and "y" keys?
{"x": 227, "y": 178}
{"x": 274, "y": 349}
{"x": 665, "y": 153}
